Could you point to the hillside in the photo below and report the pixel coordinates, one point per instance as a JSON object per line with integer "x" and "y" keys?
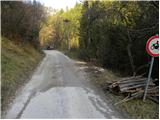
{"x": 17, "y": 64}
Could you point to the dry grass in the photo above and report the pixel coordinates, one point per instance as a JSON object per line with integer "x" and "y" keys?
{"x": 132, "y": 109}
{"x": 17, "y": 64}
{"x": 135, "y": 108}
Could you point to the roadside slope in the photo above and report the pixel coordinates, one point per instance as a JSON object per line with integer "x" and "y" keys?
{"x": 17, "y": 64}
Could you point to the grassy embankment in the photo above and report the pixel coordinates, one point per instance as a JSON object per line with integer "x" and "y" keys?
{"x": 17, "y": 65}
{"x": 135, "y": 108}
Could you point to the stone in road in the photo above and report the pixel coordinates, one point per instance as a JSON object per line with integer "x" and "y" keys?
{"x": 59, "y": 89}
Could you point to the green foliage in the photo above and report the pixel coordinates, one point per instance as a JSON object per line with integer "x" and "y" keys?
{"x": 109, "y": 30}
{"x": 58, "y": 32}
{"x": 112, "y": 32}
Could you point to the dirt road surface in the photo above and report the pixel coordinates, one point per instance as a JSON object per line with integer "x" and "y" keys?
{"x": 59, "y": 89}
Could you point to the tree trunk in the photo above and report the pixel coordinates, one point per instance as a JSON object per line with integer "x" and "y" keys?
{"x": 130, "y": 54}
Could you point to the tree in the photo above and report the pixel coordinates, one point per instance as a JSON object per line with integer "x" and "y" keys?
{"x": 22, "y": 20}
{"x": 115, "y": 33}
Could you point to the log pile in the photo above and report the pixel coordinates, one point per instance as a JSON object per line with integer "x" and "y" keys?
{"x": 133, "y": 87}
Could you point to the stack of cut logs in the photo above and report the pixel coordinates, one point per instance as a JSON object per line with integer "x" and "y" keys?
{"x": 133, "y": 87}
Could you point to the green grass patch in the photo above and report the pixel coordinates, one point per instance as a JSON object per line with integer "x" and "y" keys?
{"x": 17, "y": 65}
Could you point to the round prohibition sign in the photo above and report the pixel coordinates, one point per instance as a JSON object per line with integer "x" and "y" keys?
{"x": 152, "y": 46}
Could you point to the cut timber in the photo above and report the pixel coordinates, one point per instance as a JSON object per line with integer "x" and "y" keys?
{"x": 132, "y": 87}
{"x": 132, "y": 81}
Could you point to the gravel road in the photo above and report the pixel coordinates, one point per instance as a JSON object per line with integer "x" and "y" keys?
{"x": 59, "y": 89}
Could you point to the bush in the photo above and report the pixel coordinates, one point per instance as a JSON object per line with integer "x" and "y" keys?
{"x": 83, "y": 54}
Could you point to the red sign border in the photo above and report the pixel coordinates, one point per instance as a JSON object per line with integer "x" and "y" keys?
{"x": 147, "y": 46}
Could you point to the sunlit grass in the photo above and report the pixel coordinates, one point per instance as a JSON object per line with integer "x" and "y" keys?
{"x": 17, "y": 63}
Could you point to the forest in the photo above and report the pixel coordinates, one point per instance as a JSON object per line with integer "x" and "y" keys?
{"x": 20, "y": 46}
{"x": 22, "y": 21}
{"x": 110, "y": 33}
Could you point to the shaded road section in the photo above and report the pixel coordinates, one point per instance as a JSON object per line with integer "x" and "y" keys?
{"x": 59, "y": 89}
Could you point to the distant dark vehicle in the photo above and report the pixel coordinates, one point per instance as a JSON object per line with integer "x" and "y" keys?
{"x": 50, "y": 48}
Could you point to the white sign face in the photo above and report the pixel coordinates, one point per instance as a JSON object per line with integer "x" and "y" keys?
{"x": 152, "y": 46}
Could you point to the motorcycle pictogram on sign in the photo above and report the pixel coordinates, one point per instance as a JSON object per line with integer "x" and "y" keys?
{"x": 152, "y": 46}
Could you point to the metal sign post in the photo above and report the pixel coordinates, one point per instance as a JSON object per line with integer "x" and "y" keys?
{"x": 152, "y": 48}
{"x": 149, "y": 78}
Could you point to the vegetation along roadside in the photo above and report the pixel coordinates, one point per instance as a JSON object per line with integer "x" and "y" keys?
{"x": 135, "y": 108}
{"x": 17, "y": 64}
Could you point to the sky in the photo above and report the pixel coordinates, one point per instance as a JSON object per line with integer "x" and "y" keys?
{"x": 59, "y": 4}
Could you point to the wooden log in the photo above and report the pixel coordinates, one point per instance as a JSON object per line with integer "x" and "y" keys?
{"x": 129, "y": 98}
{"x": 132, "y": 81}
{"x": 153, "y": 99}
{"x": 153, "y": 94}
{"x": 134, "y": 90}
{"x": 131, "y": 84}
{"x": 152, "y": 91}
{"x": 130, "y": 78}
{"x": 113, "y": 85}
{"x": 136, "y": 85}
{"x": 124, "y": 100}
{"x": 141, "y": 92}
{"x": 131, "y": 87}
{"x": 153, "y": 88}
